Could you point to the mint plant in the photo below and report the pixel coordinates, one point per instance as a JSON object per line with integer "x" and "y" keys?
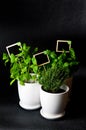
{"x": 23, "y": 66}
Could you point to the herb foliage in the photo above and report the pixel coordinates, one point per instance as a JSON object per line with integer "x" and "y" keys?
{"x": 22, "y": 65}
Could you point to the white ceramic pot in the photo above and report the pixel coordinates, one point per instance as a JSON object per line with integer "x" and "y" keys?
{"x": 53, "y": 104}
{"x": 29, "y": 95}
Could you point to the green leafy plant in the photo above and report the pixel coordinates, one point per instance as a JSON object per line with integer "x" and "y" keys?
{"x": 61, "y": 67}
{"x": 23, "y": 66}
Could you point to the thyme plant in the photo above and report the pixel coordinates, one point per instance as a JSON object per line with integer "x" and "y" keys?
{"x": 52, "y": 79}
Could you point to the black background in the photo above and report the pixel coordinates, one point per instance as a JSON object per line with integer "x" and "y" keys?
{"x": 41, "y": 23}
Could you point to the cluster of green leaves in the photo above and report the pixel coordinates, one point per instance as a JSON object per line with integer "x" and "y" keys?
{"x": 63, "y": 60}
{"x": 61, "y": 66}
{"x": 22, "y": 65}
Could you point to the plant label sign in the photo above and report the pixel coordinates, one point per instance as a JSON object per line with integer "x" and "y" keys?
{"x": 13, "y": 48}
{"x": 63, "y": 45}
{"x": 41, "y": 58}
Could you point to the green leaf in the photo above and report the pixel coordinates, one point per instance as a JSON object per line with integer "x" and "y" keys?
{"x": 53, "y": 55}
{"x": 12, "y": 58}
{"x": 46, "y": 52}
{"x": 5, "y": 57}
{"x": 53, "y": 64}
{"x": 20, "y": 54}
{"x": 66, "y": 64}
{"x": 35, "y": 69}
{"x": 34, "y": 61}
{"x": 23, "y": 70}
{"x": 12, "y": 81}
{"x": 24, "y": 47}
{"x": 25, "y": 77}
{"x": 72, "y": 53}
{"x": 27, "y": 60}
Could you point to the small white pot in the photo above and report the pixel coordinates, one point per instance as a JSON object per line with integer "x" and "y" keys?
{"x": 29, "y": 95}
{"x": 53, "y": 104}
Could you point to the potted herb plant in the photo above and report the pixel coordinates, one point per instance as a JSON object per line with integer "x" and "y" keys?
{"x": 24, "y": 70}
{"x": 62, "y": 59}
{"x": 54, "y": 93}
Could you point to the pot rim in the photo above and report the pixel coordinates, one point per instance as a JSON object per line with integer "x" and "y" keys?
{"x": 67, "y": 90}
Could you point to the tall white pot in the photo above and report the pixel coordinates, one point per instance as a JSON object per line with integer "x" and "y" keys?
{"x": 53, "y": 104}
{"x": 29, "y": 95}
